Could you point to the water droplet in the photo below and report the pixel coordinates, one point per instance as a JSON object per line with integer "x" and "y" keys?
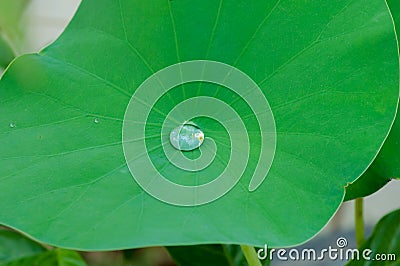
{"x": 96, "y": 120}
{"x": 12, "y": 125}
{"x": 186, "y": 137}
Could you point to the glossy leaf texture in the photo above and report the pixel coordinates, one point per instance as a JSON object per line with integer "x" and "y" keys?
{"x": 386, "y": 166}
{"x": 384, "y": 243}
{"x": 329, "y": 70}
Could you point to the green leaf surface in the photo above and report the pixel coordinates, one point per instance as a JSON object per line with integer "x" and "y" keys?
{"x": 386, "y": 166}
{"x": 14, "y": 246}
{"x": 384, "y": 243}
{"x": 6, "y": 53}
{"x": 329, "y": 70}
{"x": 369, "y": 183}
{"x": 18, "y": 250}
{"x": 55, "y": 257}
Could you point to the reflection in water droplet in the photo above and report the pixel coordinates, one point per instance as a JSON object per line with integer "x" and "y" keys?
{"x": 96, "y": 120}
{"x": 186, "y": 137}
{"x": 12, "y": 125}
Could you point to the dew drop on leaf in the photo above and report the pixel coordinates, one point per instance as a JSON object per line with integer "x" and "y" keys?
{"x": 186, "y": 137}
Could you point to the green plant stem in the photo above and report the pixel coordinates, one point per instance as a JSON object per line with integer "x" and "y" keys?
{"x": 250, "y": 255}
{"x": 359, "y": 221}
